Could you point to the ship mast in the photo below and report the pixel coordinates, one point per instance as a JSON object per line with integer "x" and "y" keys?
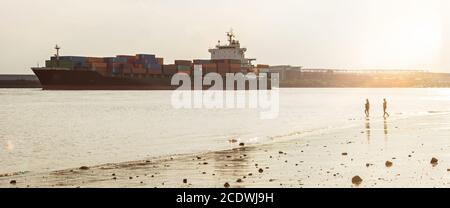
{"x": 57, "y": 54}
{"x": 230, "y": 36}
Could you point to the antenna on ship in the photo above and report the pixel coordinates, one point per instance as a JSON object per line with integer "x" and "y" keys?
{"x": 57, "y": 51}
{"x": 230, "y": 36}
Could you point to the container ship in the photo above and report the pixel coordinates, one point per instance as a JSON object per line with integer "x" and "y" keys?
{"x": 143, "y": 71}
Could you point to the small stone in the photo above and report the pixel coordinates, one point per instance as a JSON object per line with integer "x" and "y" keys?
{"x": 130, "y": 177}
{"x": 280, "y": 152}
{"x": 226, "y": 185}
{"x": 239, "y": 180}
{"x": 344, "y": 154}
{"x": 84, "y": 168}
{"x": 113, "y": 174}
{"x": 260, "y": 170}
{"x": 388, "y": 164}
{"x": 185, "y": 180}
{"x": 357, "y": 180}
{"x": 434, "y": 161}
{"x": 13, "y": 182}
{"x": 114, "y": 178}
{"x": 241, "y": 144}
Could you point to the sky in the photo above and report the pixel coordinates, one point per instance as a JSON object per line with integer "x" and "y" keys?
{"x": 338, "y": 34}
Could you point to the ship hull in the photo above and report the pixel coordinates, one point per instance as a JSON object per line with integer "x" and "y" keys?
{"x": 62, "y": 79}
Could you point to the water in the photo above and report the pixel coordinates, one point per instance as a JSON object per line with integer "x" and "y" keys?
{"x": 51, "y": 130}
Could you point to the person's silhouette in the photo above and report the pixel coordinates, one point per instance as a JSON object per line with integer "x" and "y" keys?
{"x": 385, "y": 114}
{"x": 367, "y": 108}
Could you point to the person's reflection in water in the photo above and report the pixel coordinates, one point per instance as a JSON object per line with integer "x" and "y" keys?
{"x": 385, "y": 129}
{"x": 368, "y": 129}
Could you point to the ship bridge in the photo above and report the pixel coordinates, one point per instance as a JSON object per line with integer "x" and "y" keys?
{"x": 231, "y": 51}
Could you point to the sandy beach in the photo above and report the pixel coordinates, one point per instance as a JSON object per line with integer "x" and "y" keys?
{"x": 383, "y": 153}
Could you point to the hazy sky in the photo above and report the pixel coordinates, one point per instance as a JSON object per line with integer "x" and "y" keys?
{"x": 398, "y": 34}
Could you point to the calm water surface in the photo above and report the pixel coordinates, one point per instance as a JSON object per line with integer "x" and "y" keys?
{"x": 51, "y": 130}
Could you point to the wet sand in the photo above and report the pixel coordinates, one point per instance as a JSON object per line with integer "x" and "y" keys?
{"x": 323, "y": 159}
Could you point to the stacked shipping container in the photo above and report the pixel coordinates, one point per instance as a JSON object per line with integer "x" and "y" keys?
{"x": 146, "y": 64}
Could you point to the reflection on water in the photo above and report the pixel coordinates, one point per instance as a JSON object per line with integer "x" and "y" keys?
{"x": 96, "y": 127}
{"x": 385, "y": 129}
{"x": 233, "y": 163}
{"x": 368, "y": 129}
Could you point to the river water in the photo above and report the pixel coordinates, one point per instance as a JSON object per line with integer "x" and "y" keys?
{"x": 52, "y": 130}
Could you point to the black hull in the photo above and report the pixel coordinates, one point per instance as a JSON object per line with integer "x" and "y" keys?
{"x": 62, "y": 79}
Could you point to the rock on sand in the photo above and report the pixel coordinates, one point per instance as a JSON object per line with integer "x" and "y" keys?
{"x": 357, "y": 180}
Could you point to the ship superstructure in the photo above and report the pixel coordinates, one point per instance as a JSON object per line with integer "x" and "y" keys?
{"x": 232, "y": 51}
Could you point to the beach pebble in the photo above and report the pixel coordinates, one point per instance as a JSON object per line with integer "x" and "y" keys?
{"x": 226, "y": 185}
{"x": 448, "y": 170}
{"x": 13, "y": 182}
{"x": 260, "y": 170}
{"x": 185, "y": 180}
{"x": 239, "y": 180}
{"x": 84, "y": 168}
{"x": 241, "y": 144}
{"x": 114, "y": 178}
{"x": 344, "y": 154}
{"x": 113, "y": 174}
{"x": 434, "y": 161}
{"x": 233, "y": 140}
{"x": 357, "y": 180}
{"x": 130, "y": 177}
{"x": 388, "y": 164}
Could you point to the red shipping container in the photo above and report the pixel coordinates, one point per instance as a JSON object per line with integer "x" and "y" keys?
{"x": 223, "y": 68}
{"x": 169, "y": 69}
{"x": 208, "y": 68}
{"x": 94, "y": 60}
{"x": 154, "y": 71}
{"x": 183, "y": 62}
{"x": 160, "y": 61}
{"x": 139, "y": 71}
{"x": 235, "y": 68}
{"x": 185, "y": 72}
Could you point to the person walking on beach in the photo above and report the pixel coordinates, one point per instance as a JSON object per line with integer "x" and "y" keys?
{"x": 385, "y": 114}
{"x": 367, "y": 107}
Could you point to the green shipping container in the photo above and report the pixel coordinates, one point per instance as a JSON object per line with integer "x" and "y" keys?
{"x": 183, "y": 68}
{"x": 62, "y": 64}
